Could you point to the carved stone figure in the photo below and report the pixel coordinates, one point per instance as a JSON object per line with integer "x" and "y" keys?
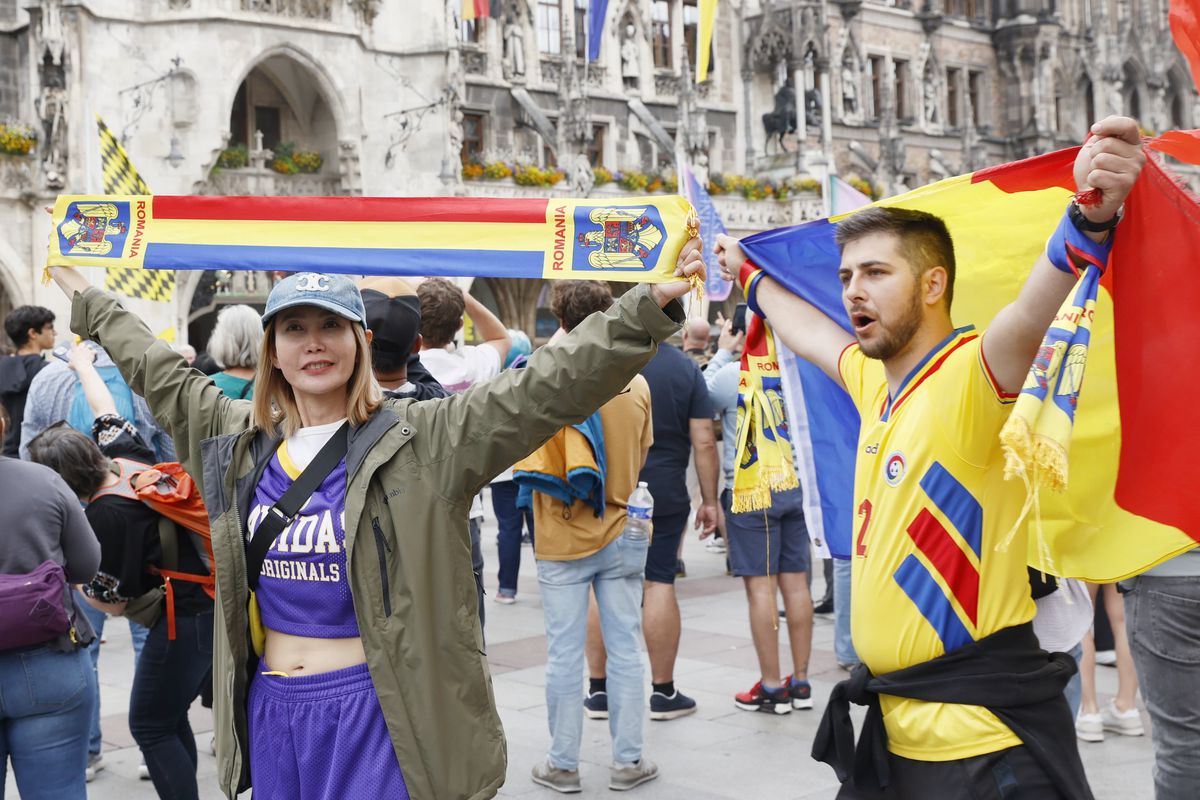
{"x": 849, "y": 88}
{"x": 455, "y": 133}
{"x": 630, "y": 68}
{"x": 514, "y": 48}
{"x": 812, "y": 108}
{"x": 582, "y": 177}
{"x": 929, "y": 98}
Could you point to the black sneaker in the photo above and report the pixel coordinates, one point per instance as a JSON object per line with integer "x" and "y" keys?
{"x": 801, "y": 694}
{"x": 824, "y": 607}
{"x": 770, "y": 701}
{"x": 663, "y": 707}
{"x": 595, "y": 705}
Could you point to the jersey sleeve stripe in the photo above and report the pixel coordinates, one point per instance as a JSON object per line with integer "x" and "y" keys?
{"x": 927, "y": 596}
{"x": 949, "y": 560}
{"x": 1001, "y": 395}
{"x": 841, "y": 356}
{"x": 957, "y": 504}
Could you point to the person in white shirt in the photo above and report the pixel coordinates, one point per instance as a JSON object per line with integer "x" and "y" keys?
{"x": 459, "y": 368}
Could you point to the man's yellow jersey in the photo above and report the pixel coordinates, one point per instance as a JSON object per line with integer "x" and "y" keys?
{"x": 932, "y": 505}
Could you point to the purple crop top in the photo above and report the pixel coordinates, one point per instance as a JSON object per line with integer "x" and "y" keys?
{"x": 303, "y": 589}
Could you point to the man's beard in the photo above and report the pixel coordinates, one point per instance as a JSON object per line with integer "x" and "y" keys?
{"x": 892, "y": 340}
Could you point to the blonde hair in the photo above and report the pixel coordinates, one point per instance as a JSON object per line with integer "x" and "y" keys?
{"x": 275, "y": 401}
{"x": 237, "y": 338}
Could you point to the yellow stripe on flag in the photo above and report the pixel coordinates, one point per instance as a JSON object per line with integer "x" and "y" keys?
{"x": 708, "y": 13}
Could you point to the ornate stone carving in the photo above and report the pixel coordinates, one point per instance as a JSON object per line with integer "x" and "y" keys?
{"x": 51, "y": 102}
{"x": 306, "y": 9}
{"x": 630, "y": 57}
{"x": 582, "y": 177}
{"x": 552, "y": 68}
{"x": 514, "y": 47}
{"x": 666, "y": 83}
{"x": 474, "y": 60}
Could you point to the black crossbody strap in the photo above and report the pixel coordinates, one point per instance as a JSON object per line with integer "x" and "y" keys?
{"x": 280, "y": 515}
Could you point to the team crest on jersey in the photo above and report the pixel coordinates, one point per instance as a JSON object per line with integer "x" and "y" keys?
{"x": 894, "y": 468}
{"x": 618, "y": 238}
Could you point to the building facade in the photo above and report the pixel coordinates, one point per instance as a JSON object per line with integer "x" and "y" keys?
{"x": 402, "y": 97}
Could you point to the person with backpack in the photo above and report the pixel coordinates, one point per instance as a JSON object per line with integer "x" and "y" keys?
{"x": 152, "y": 570}
{"x": 356, "y": 668}
{"x": 45, "y": 545}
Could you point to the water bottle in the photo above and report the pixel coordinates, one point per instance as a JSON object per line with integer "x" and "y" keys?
{"x": 638, "y": 514}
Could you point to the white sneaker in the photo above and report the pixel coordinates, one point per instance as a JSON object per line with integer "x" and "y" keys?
{"x": 1106, "y": 658}
{"x": 1089, "y": 727}
{"x": 715, "y": 544}
{"x": 143, "y": 771}
{"x": 1126, "y": 723}
{"x": 95, "y": 763}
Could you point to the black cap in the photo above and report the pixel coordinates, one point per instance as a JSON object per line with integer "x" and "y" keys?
{"x": 394, "y": 321}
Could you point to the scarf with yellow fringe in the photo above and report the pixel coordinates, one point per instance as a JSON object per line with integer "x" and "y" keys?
{"x": 764, "y": 445}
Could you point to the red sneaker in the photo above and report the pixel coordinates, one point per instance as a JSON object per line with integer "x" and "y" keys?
{"x": 771, "y": 701}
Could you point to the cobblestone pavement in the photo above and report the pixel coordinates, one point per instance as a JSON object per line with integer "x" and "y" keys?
{"x": 718, "y": 752}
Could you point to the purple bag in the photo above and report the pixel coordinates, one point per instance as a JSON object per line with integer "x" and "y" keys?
{"x": 33, "y": 606}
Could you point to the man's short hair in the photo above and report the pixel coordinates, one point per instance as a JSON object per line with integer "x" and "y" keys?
{"x": 77, "y": 458}
{"x": 19, "y": 321}
{"x": 394, "y": 318}
{"x": 574, "y": 301}
{"x": 924, "y": 239}
{"x": 442, "y": 307}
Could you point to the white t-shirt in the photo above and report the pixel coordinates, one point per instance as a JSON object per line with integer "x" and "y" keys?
{"x": 460, "y": 368}
{"x": 1063, "y": 616}
{"x": 304, "y": 444}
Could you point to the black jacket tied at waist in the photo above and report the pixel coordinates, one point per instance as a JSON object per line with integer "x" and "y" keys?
{"x": 1007, "y": 673}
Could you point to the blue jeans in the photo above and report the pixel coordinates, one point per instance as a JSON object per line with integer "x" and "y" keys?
{"x": 1162, "y": 617}
{"x": 45, "y": 704}
{"x": 843, "y": 645}
{"x": 615, "y": 573}
{"x": 137, "y": 632}
{"x": 1074, "y": 690}
{"x": 168, "y": 678}
{"x": 509, "y": 519}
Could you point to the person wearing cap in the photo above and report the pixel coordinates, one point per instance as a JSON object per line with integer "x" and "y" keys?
{"x": 394, "y": 318}
{"x": 357, "y": 668}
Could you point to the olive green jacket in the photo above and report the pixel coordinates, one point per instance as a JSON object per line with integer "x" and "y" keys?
{"x": 412, "y": 470}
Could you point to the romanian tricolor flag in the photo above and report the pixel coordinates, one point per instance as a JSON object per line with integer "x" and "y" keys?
{"x": 477, "y": 9}
{"x": 630, "y": 239}
{"x": 1129, "y": 501}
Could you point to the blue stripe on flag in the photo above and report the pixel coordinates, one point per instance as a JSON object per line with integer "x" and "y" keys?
{"x": 806, "y": 260}
{"x": 925, "y": 593}
{"x": 351, "y": 260}
{"x": 597, "y": 9}
{"x": 959, "y": 505}
{"x": 710, "y": 226}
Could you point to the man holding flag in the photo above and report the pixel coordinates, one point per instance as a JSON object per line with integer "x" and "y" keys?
{"x": 962, "y": 701}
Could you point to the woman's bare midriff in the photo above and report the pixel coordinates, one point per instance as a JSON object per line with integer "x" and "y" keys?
{"x": 303, "y": 655}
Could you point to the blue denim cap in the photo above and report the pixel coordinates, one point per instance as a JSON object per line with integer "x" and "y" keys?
{"x": 335, "y": 293}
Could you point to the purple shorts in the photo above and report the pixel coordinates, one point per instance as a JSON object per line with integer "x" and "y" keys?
{"x": 320, "y": 737}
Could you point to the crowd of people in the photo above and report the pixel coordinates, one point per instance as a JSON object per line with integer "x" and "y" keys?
{"x": 335, "y": 592}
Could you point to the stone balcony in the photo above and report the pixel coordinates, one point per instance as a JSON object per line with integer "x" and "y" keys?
{"x": 266, "y": 181}
{"x": 741, "y": 216}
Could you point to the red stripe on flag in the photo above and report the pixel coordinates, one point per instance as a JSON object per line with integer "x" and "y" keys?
{"x": 947, "y": 557}
{"x": 1156, "y": 292}
{"x": 1184, "y": 19}
{"x": 351, "y": 209}
{"x": 1032, "y": 174}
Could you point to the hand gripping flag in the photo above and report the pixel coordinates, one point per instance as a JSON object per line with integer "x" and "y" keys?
{"x": 120, "y": 177}
{"x": 630, "y": 239}
{"x": 1129, "y": 500}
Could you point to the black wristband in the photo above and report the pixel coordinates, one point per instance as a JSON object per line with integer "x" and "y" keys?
{"x": 1075, "y": 214}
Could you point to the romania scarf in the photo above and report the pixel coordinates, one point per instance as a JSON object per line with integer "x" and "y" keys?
{"x": 626, "y": 239}
{"x": 763, "y": 457}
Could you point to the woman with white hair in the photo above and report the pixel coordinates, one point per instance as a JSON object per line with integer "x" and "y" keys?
{"x": 234, "y": 345}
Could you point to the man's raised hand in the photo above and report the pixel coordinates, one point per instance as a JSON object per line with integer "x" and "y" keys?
{"x": 689, "y": 263}
{"x": 730, "y": 256}
{"x": 1110, "y": 161}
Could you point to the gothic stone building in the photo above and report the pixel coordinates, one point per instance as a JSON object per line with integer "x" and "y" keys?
{"x": 401, "y": 97}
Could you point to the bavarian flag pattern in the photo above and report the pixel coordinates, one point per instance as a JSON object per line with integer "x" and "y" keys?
{"x": 121, "y": 178}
